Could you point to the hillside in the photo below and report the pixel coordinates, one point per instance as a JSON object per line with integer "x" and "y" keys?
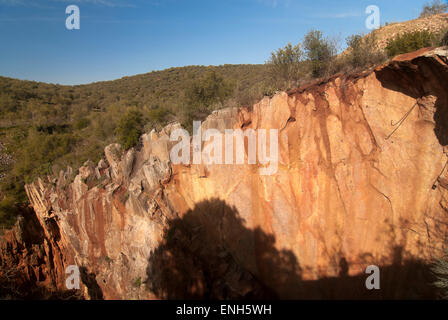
{"x": 47, "y": 127}
{"x": 159, "y": 89}
{"x": 434, "y": 24}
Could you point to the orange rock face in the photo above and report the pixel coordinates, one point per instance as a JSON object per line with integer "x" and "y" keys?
{"x": 31, "y": 260}
{"x": 361, "y": 180}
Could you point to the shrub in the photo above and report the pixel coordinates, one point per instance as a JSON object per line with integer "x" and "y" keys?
{"x": 363, "y": 51}
{"x": 292, "y": 63}
{"x": 193, "y": 112}
{"x": 157, "y": 118}
{"x": 320, "y": 53}
{"x": 81, "y": 123}
{"x": 129, "y": 129}
{"x": 286, "y": 64}
{"x": 249, "y": 97}
{"x": 269, "y": 91}
{"x": 138, "y": 282}
{"x": 203, "y": 96}
{"x": 208, "y": 90}
{"x": 435, "y": 7}
{"x": 411, "y": 41}
{"x": 36, "y": 154}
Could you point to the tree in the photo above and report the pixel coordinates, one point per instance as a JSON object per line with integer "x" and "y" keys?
{"x": 203, "y": 96}
{"x": 208, "y": 90}
{"x": 363, "y": 51}
{"x": 129, "y": 128}
{"x": 286, "y": 64}
{"x": 319, "y": 51}
{"x": 435, "y": 7}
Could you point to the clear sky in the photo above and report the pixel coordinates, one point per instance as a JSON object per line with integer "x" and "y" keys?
{"x": 126, "y": 37}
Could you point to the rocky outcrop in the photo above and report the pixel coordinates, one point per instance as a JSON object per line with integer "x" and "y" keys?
{"x": 31, "y": 261}
{"x": 362, "y": 179}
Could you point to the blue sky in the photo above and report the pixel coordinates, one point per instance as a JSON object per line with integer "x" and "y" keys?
{"x": 126, "y": 37}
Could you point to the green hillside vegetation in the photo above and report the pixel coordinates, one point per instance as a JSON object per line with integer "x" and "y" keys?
{"x": 316, "y": 57}
{"x": 48, "y": 127}
{"x": 411, "y": 41}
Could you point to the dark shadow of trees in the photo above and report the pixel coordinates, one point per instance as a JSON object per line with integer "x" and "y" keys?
{"x": 209, "y": 253}
{"x": 89, "y": 280}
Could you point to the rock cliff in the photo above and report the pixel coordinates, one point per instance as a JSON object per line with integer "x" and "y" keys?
{"x": 361, "y": 180}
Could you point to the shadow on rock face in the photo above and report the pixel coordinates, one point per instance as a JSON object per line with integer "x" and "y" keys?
{"x": 441, "y": 120}
{"x": 210, "y": 254}
{"x": 89, "y": 280}
{"x": 421, "y": 78}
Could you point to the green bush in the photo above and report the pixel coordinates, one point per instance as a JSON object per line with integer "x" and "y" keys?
{"x": 36, "y": 154}
{"x": 363, "y": 51}
{"x": 193, "y": 112}
{"x": 320, "y": 52}
{"x": 129, "y": 129}
{"x": 314, "y": 57}
{"x": 81, "y": 123}
{"x": 204, "y": 95}
{"x": 411, "y": 41}
{"x": 286, "y": 65}
{"x": 138, "y": 282}
{"x": 208, "y": 90}
{"x": 157, "y": 118}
